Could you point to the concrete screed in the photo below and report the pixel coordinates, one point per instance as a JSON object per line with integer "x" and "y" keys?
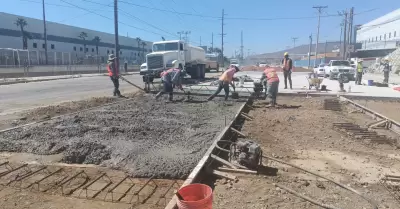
{"x": 143, "y": 137}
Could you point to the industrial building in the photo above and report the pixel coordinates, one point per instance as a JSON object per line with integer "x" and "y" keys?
{"x": 64, "y": 44}
{"x": 380, "y": 34}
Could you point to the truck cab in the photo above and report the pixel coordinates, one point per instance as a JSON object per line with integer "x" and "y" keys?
{"x": 190, "y": 58}
{"x": 334, "y": 67}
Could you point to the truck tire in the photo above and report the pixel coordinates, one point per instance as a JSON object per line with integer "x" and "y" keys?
{"x": 193, "y": 72}
{"x": 202, "y": 71}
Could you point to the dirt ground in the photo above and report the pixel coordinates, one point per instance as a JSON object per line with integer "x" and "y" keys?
{"x": 390, "y": 109}
{"x": 306, "y": 138}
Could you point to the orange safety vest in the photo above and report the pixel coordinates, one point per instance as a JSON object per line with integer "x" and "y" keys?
{"x": 286, "y": 63}
{"x": 110, "y": 72}
{"x": 272, "y": 75}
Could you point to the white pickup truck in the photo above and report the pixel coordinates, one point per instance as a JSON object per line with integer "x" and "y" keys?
{"x": 334, "y": 67}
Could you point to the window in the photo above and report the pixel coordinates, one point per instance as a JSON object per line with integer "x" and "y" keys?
{"x": 108, "y": 51}
{"x": 390, "y": 35}
{"x": 87, "y": 49}
{"x": 181, "y": 47}
{"x": 80, "y": 49}
{"x": 112, "y": 51}
{"x": 120, "y": 52}
{"x": 92, "y": 49}
{"x": 74, "y": 48}
{"x": 35, "y": 45}
{"x": 380, "y": 38}
{"x": 385, "y": 36}
{"x": 43, "y": 46}
{"x": 376, "y": 39}
{"x": 52, "y": 46}
{"x": 394, "y": 34}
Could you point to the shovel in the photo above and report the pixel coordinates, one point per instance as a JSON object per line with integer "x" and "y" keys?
{"x": 235, "y": 95}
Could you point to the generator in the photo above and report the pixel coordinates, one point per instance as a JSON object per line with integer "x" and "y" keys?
{"x": 246, "y": 153}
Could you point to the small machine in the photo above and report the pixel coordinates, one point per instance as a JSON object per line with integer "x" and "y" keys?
{"x": 246, "y": 153}
{"x": 258, "y": 88}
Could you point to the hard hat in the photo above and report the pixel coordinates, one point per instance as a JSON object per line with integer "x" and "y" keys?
{"x": 111, "y": 57}
{"x": 175, "y": 64}
{"x": 286, "y": 54}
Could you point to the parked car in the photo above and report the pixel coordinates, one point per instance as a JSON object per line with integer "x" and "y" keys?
{"x": 343, "y": 66}
{"x": 262, "y": 64}
{"x": 320, "y": 70}
{"x": 143, "y": 69}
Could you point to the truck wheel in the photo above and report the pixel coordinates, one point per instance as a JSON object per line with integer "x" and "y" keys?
{"x": 202, "y": 71}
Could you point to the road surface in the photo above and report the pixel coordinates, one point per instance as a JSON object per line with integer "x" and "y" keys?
{"x": 23, "y": 96}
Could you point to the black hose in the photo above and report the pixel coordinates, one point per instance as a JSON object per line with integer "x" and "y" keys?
{"x": 326, "y": 178}
{"x": 222, "y": 149}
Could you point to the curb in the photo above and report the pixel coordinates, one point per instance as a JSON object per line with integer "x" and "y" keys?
{"x": 62, "y": 78}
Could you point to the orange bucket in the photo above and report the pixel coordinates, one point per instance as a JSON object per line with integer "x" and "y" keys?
{"x": 195, "y": 196}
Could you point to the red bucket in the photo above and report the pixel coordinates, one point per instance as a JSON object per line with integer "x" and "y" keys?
{"x": 196, "y": 196}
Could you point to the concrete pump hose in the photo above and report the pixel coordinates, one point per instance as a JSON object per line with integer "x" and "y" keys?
{"x": 331, "y": 180}
{"x": 305, "y": 197}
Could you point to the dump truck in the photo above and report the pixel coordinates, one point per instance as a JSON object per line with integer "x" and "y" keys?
{"x": 212, "y": 62}
{"x": 192, "y": 59}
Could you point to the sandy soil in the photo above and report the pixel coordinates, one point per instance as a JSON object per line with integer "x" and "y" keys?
{"x": 305, "y": 137}
{"x": 390, "y": 109}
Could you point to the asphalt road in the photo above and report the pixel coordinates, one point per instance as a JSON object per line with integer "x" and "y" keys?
{"x": 23, "y": 96}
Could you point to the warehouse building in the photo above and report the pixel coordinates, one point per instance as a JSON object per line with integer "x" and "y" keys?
{"x": 380, "y": 34}
{"x": 66, "y": 44}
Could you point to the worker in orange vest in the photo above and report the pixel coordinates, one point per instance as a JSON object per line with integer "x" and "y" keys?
{"x": 224, "y": 81}
{"x": 287, "y": 69}
{"x": 271, "y": 82}
{"x": 113, "y": 72}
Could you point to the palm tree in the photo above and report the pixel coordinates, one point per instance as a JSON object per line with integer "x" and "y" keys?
{"x": 96, "y": 41}
{"x": 143, "y": 45}
{"x": 83, "y": 36}
{"x": 21, "y": 23}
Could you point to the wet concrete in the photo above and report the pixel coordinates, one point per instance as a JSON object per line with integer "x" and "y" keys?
{"x": 143, "y": 137}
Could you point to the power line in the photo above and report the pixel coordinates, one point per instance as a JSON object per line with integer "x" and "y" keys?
{"x": 111, "y": 18}
{"x": 320, "y": 9}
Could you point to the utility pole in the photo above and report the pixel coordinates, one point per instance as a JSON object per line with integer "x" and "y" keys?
{"x": 345, "y": 13}
{"x": 351, "y": 25}
{"x": 45, "y": 33}
{"x": 294, "y": 41}
{"x": 116, "y": 32}
{"x": 180, "y": 34}
{"x": 340, "y": 39}
{"x": 309, "y": 52}
{"x": 222, "y": 38}
{"x": 200, "y": 40}
{"x": 212, "y": 42}
{"x": 326, "y": 44}
{"x": 319, "y": 8}
{"x": 241, "y": 46}
{"x": 186, "y": 36}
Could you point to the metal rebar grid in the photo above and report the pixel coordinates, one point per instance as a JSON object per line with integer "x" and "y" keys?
{"x": 332, "y": 104}
{"x": 358, "y": 132}
{"x": 392, "y": 185}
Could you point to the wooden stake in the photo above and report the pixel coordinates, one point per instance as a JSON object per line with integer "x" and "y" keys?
{"x": 237, "y": 170}
{"x": 222, "y": 174}
{"x": 223, "y": 161}
{"x": 238, "y": 132}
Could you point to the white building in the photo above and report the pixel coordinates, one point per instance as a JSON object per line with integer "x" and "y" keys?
{"x": 64, "y": 44}
{"x": 381, "y": 33}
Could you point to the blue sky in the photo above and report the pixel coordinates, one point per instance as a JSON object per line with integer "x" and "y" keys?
{"x": 259, "y": 35}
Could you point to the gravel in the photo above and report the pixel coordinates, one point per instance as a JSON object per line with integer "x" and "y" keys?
{"x": 143, "y": 137}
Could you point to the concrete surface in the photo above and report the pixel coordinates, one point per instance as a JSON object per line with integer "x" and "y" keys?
{"x": 143, "y": 136}
{"x": 300, "y": 85}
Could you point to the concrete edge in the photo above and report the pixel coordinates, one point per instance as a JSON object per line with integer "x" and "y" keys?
{"x": 195, "y": 172}
{"x": 393, "y": 125}
{"x": 62, "y": 78}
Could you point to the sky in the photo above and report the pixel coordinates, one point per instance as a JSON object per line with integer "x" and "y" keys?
{"x": 267, "y": 25}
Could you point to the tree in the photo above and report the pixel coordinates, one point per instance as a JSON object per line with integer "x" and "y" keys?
{"x": 21, "y": 23}
{"x": 143, "y": 45}
{"x": 96, "y": 41}
{"x": 83, "y": 36}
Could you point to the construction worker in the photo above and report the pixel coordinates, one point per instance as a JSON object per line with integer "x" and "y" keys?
{"x": 224, "y": 81}
{"x": 359, "y": 72}
{"x": 386, "y": 71}
{"x": 271, "y": 82}
{"x": 287, "y": 69}
{"x": 170, "y": 79}
{"x": 113, "y": 72}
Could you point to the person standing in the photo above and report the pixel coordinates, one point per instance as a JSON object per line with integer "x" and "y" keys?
{"x": 171, "y": 78}
{"x": 271, "y": 82}
{"x": 224, "y": 81}
{"x": 287, "y": 69}
{"x": 113, "y": 72}
{"x": 359, "y": 72}
{"x": 386, "y": 71}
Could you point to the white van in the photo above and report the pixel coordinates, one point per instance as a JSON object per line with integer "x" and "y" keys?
{"x": 143, "y": 69}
